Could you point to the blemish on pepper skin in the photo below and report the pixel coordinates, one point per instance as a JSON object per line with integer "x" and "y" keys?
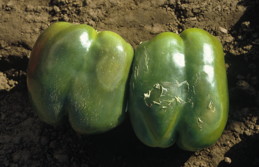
{"x": 211, "y": 106}
{"x": 182, "y": 83}
{"x": 157, "y": 85}
{"x": 160, "y": 97}
{"x": 157, "y": 103}
{"x": 196, "y": 79}
{"x": 200, "y": 122}
{"x": 146, "y": 57}
{"x": 192, "y": 104}
{"x": 136, "y": 71}
{"x": 147, "y": 96}
{"x": 193, "y": 89}
{"x": 169, "y": 102}
{"x": 179, "y": 99}
{"x": 164, "y": 90}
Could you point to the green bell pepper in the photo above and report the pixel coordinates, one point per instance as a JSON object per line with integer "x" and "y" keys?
{"x": 178, "y": 90}
{"x": 78, "y": 73}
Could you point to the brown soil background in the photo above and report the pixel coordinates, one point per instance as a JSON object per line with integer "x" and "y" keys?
{"x": 26, "y": 141}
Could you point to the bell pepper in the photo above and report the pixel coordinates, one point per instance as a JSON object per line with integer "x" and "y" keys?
{"x": 78, "y": 73}
{"x": 178, "y": 90}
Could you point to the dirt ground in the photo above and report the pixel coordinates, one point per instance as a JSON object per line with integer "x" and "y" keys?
{"x": 26, "y": 141}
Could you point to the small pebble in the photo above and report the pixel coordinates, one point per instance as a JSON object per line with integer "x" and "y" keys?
{"x": 223, "y": 30}
{"x": 229, "y": 38}
{"x": 227, "y": 160}
{"x": 56, "y": 9}
{"x": 65, "y": 17}
{"x": 245, "y": 24}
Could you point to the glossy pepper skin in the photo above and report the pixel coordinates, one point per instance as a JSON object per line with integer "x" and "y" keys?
{"x": 76, "y": 72}
{"x": 178, "y": 90}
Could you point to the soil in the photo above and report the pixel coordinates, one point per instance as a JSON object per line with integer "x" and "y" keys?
{"x": 26, "y": 141}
